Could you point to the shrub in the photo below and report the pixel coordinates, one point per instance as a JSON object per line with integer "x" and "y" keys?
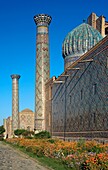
{"x": 51, "y": 140}
{"x": 28, "y": 134}
{"x": 42, "y": 135}
{"x": 24, "y": 133}
{"x": 1, "y": 137}
{"x": 29, "y": 137}
{"x": 2, "y": 130}
{"x": 19, "y": 132}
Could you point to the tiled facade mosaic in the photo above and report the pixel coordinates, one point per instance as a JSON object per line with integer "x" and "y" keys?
{"x": 42, "y": 68}
{"x": 8, "y": 128}
{"x": 26, "y": 120}
{"x": 80, "y": 101}
{"x": 15, "y": 101}
{"x": 48, "y": 104}
{"x": 79, "y": 41}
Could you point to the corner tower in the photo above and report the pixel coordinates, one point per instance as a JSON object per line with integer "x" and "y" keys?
{"x": 15, "y": 101}
{"x": 42, "y": 68}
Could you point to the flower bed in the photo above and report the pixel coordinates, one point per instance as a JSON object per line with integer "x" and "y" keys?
{"x": 82, "y": 155}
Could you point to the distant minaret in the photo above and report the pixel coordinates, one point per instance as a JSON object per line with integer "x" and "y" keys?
{"x": 15, "y": 101}
{"x": 42, "y": 68}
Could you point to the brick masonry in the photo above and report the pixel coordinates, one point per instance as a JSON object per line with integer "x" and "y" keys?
{"x": 42, "y": 68}
{"x": 80, "y": 105}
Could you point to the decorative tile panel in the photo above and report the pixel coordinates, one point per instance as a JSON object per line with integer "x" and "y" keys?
{"x": 79, "y": 110}
{"x": 42, "y": 68}
{"x": 15, "y": 101}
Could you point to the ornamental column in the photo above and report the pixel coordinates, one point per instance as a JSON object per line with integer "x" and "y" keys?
{"x": 15, "y": 101}
{"x": 42, "y": 68}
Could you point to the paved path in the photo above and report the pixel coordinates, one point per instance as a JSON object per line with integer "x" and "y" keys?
{"x": 11, "y": 159}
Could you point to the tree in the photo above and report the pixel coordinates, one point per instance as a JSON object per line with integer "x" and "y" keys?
{"x": 2, "y": 130}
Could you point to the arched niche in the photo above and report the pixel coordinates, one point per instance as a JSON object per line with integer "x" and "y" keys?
{"x": 106, "y": 31}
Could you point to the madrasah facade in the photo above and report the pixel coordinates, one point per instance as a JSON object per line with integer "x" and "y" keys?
{"x": 75, "y": 104}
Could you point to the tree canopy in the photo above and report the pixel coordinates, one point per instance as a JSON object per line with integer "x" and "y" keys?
{"x": 2, "y": 130}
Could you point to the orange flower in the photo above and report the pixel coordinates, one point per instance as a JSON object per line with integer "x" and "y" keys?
{"x": 87, "y": 161}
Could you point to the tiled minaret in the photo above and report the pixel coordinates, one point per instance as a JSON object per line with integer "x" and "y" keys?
{"x": 15, "y": 101}
{"x": 42, "y": 68}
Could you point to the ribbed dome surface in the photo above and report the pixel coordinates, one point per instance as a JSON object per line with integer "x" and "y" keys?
{"x": 27, "y": 110}
{"x": 79, "y": 41}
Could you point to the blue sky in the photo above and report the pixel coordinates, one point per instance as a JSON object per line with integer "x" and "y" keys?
{"x": 18, "y": 39}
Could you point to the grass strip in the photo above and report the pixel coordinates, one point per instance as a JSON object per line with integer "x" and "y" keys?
{"x": 50, "y": 163}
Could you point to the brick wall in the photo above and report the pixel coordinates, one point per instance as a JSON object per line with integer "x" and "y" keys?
{"x": 80, "y": 105}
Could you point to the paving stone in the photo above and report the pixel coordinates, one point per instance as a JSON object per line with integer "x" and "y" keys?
{"x": 12, "y": 159}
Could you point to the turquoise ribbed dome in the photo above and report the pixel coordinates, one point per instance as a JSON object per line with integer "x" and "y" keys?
{"x": 79, "y": 41}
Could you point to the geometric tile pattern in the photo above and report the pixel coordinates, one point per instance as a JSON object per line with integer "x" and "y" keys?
{"x": 26, "y": 119}
{"x": 79, "y": 41}
{"x": 42, "y": 68}
{"x": 15, "y": 101}
{"x": 8, "y": 127}
{"x": 48, "y": 104}
{"x": 80, "y": 105}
